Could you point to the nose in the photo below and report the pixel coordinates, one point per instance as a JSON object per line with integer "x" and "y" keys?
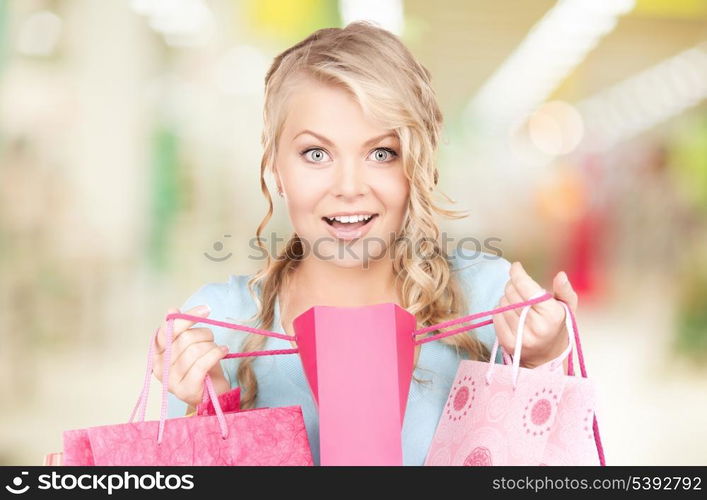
{"x": 350, "y": 180}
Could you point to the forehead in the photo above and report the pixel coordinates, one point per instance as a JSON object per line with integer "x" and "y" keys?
{"x": 331, "y": 111}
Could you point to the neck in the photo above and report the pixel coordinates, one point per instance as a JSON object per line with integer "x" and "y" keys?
{"x": 347, "y": 286}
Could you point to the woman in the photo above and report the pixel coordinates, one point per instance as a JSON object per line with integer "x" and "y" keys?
{"x": 351, "y": 127}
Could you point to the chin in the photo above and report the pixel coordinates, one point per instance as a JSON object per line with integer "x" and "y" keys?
{"x": 347, "y": 263}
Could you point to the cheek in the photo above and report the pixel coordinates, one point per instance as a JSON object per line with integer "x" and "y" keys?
{"x": 301, "y": 201}
{"x": 394, "y": 193}
{"x": 303, "y": 188}
{"x": 303, "y": 197}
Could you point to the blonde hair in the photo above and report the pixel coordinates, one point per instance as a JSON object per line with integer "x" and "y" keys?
{"x": 375, "y": 67}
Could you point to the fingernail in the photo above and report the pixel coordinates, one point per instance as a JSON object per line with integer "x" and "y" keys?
{"x": 224, "y": 348}
{"x": 563, "y": 277}
{"x": 204, "y": 309}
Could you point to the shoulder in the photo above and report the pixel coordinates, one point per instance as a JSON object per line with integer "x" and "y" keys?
{"x": 482, "y": 275}
{"x": 230, "y": 298}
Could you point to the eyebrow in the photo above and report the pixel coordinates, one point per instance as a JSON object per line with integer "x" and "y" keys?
{"x": 329, "y": 143}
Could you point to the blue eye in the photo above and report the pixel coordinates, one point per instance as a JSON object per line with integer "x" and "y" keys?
{"x": 317, "y": 158}
{"x": 389, "y": 154}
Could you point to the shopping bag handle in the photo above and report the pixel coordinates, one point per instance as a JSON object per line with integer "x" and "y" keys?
{"x": 515, "y": 360}
{"x": 231, "y": 326}
{"x": 235, "y": 326}
{"x": 464, "y": 319}
{"x": 573, "y": 338}
{"x": 144, "y": 394}
{"x": 540, "y": 297}
{"x": 209, "y": 392}
{"x": 533, "y": 300}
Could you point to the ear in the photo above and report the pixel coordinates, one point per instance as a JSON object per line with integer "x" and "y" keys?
{"x": 278, "y": 181}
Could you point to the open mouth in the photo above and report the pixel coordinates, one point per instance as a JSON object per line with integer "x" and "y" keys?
{"x": 350, "y": 223}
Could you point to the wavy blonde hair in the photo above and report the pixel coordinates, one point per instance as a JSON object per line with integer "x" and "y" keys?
{"x": 392, "y": 87}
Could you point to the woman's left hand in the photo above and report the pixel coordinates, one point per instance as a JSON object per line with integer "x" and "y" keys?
{"x": 545, "y": 335}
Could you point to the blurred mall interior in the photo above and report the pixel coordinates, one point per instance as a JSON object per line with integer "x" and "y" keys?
{"x": 575, "y": 134}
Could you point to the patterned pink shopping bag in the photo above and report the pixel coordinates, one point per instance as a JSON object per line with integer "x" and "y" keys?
{"x": 263, "y": 436}
{"x": 508, "y": 415}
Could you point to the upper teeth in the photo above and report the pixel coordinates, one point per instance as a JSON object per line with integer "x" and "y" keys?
{"x": 350, "y": 218}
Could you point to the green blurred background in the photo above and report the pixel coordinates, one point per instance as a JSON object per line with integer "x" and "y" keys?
{"x": 575, "y": 133}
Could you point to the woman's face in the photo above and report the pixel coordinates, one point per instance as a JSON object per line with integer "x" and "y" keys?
{"x": 331, "y": 162}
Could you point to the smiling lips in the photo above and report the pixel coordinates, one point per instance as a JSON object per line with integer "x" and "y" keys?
{"x": 341, "y": 229}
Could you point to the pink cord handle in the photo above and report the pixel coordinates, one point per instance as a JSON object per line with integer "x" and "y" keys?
{"x": 144, "y": 395}
{"x": 508, "y": 360}
{"x": 235, "y": 326}
{"x": 209, "y": 392}
{"x": 232, "y": 326}
{"x": 464, "y": 319}
{"x": 515, "y": 360}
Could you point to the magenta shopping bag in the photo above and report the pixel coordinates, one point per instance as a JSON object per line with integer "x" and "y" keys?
{"x": 508, "y": 415}
{"x": 263, "y": 436}
{"x": 359, "y": 363}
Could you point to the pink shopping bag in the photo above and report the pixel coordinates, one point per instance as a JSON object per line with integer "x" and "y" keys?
{"x": 263, "y": 436}
{"x": 358, "y": 362}
{"x": 229, "y": 401}
{"x": 508, "y": 415}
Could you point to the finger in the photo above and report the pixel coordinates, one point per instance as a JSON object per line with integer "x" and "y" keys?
{"x": 179, "y": 325}
{"x": 191, "y": 336}
{"x": 532, "y": 318}
{"x": 562, "y": 289}
{"x": 504, "y": 333}
{"x": 512, "y": 322}
{"x": 197, "y": 373}
{"x": 190, "y": 355}
{"x": 182, "y": 324}
{"x": 527, "y": 287}
{"x": 528, "y": 333}
{"x": 184, "y": 358}
{"x": 513, "y": 297}
{"x": 157, "y": 365}
{"x": 174, "y": 375}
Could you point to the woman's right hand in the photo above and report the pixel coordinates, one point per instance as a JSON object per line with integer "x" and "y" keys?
{"x": 194, "y": 354}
